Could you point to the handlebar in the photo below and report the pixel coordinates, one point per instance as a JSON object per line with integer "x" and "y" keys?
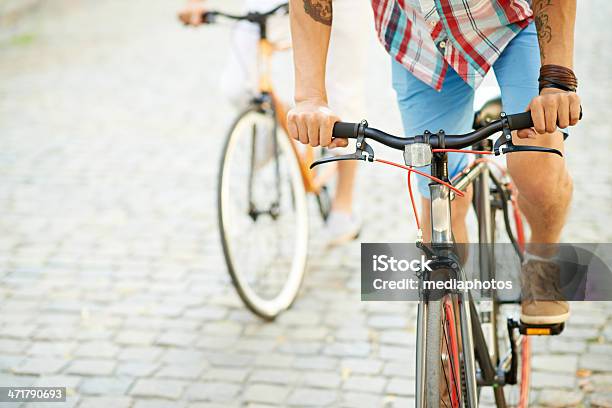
{"x": 345, "y": 130}
{"x": 209, "y": 17}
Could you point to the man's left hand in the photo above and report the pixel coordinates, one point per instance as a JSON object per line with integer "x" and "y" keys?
{"x": 551, "y": 109}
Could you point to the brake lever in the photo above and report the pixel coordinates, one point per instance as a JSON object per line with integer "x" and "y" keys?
{"x": 363, "y": 150}
{"x": 504, "y": 145}
{"x": 520, "y": 148}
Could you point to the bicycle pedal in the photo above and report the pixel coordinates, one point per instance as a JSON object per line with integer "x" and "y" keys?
{"x": 541, "y": 329}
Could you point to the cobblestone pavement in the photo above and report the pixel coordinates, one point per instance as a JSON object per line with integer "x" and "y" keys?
{"x": 112, "y": 281}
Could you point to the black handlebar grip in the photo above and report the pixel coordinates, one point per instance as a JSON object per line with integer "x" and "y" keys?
{"x": 345, "y": 130}
{"x": 523, "y": 120}
{"x": 520, "y": 121}
{"x": 209, "y": 17}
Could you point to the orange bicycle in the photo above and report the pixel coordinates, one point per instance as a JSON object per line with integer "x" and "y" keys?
{"x": 264, "y": 180}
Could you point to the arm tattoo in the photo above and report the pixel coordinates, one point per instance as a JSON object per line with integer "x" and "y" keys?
{"x": 319, "y": 10}
{"x": 542, "y": 23}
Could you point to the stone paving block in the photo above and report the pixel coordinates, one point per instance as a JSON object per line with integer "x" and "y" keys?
{"x": 212, "y": 391}
{"x": 398, "y": 337}
{"x": 226, "y": 374}
{"x": 316, "y": 363}
{"x": 54, "y": 333}
{"x": 273, "y": 376}
{"x": 322, "y": 379}
{"x": 105, "y": 386}
{"x": 312, "y": 397}
{"x": 595, "y": 362}
{"x": 561, "y": 345}
{"x": 10, "y": 360}
{"x": 18, "y": 331}
{"x": 256, "y": 345}
{"x": 385, "y": 321}
{"x": 555, "y": 363}
{"x": 222, "y": 328}
{"x": 364, "y": 383}
{"x": 359, "y": 334}
{"x": 547, "y": 380}
{"x": 39, "y": 365}
{"x": 158, "y": 403}
{"x": 601, "y": 400}
{"x": 207, "y": 313}
{"x": 180, "y": 355}
{"x": 362, "y": 365}
{"x": 400, "y": 369}
{"x": 400, "y": 402}
{"x": 105, "y": 402}
{"x": 226, "y": 359}
{"x": 395, "y": 353}
{"x": 135, "y": 337}
{"x": 91, "y": 367}
{"x": 157, "y": 388}
{"x": 68, "y": 381}
{"x": 352, "y": 349}
{"x": 361, "y": 400}
{"x": 559, "y": 399}
{"x": 97, "y": 349}
{"x": 274, "y": 360}
{"x": 176, "y": 338}
{"x": 596, "y": 348}
{"x": 137, "y": 369}
{"x": 52, "y": 348}
{"x": 181, "y": 371}
{"x": 401, "y": 386}
{"x": 299, "y": 318}
{"x": 10, "y": 346}
{"x": 139, "y": 353}
{"x": 265, "y": 393}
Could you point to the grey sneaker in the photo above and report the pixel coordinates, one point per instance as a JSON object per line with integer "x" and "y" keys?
{"x": 341, "y": 228}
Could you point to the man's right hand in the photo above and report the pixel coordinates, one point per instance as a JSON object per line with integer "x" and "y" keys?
{"x": 192, "y": 13}
{"x": 312, "y": 122}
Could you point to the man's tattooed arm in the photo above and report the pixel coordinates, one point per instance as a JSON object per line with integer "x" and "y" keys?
{"x": 319, "y": 10}
{"x": 541, "y": 9}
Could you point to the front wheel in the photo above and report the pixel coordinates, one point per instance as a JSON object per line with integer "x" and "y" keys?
{"x": 443, "y": 367}
{"x": 262, "y": 214}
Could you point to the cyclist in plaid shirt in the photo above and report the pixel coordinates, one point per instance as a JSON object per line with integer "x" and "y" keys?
{"x": 441, "y": 50}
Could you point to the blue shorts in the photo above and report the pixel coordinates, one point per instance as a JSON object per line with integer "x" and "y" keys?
{"x": 423, "y": 108}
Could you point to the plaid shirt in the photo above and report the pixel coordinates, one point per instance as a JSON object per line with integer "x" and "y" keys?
{"x": 428, "y": 36}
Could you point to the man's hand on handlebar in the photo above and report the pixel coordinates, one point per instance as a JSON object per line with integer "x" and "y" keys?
{"x": 192, "y": 13}
{"x": 311, "y": 122}
{"x": 551, "y": 108}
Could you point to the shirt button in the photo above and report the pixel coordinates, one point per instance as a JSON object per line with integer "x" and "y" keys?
{"x": 442, "y": 44}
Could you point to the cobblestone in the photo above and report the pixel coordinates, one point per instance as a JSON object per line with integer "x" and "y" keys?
{"x": 148, "y": 388}
{"x": 265, "y": 393}
{"x": 112, "y": 278}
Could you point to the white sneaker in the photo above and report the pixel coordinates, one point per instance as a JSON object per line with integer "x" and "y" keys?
{"x": 340, "y": 228}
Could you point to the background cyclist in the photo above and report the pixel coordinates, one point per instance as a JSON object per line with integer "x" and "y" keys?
{"x": 346, "y": 87}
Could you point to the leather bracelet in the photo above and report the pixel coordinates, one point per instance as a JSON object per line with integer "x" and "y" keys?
{"x": 557, "y": 76}
{"x": 546, "y": 82}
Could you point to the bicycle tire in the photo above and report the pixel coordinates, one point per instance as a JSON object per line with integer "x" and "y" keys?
{"x": 443, "y": 376}
{"x": 267, "y": 308}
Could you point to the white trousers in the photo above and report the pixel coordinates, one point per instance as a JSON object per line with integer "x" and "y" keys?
{"x": 352, "y": 29}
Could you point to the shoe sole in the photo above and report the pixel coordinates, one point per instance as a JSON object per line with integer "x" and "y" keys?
{"x": 343, "y": 239}
{"x": 535, "y": 320}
